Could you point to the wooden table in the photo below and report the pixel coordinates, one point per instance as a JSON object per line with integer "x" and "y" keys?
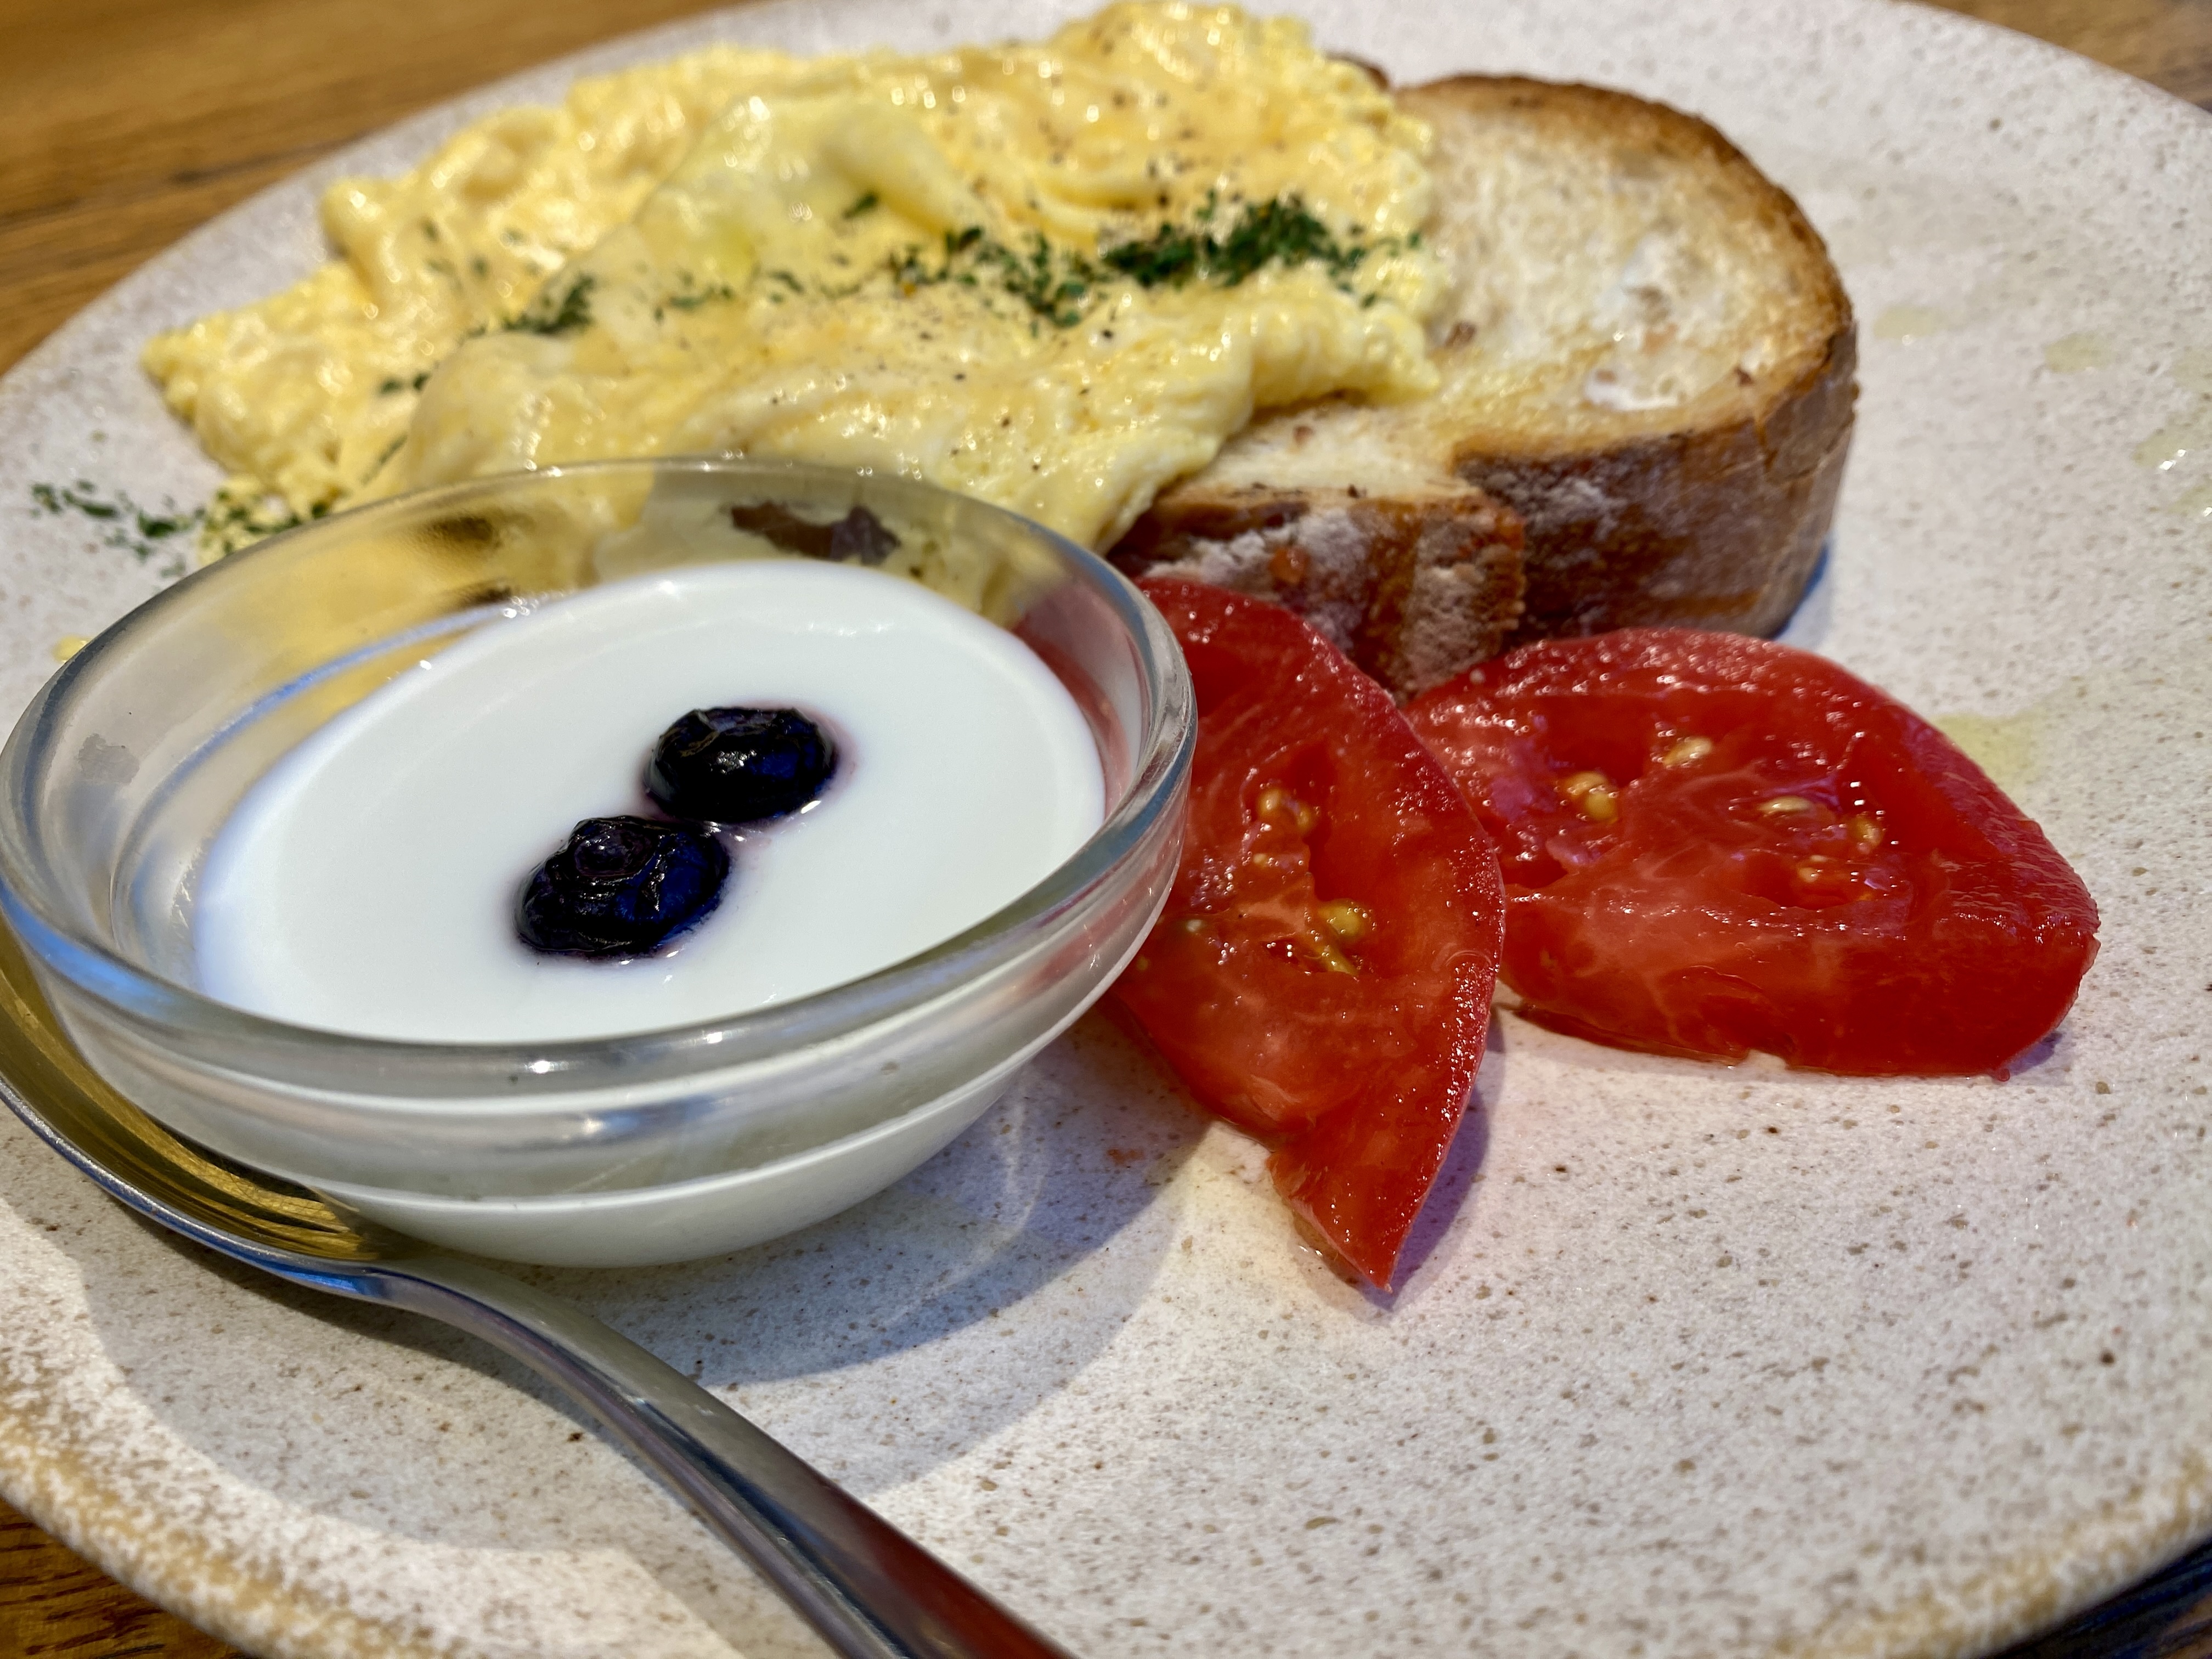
{"x": 125, "y": 122}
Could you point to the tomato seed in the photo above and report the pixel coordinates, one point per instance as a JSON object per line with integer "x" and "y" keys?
{"x": 1348, "y": 921}
{"x": 1593, "y": 793}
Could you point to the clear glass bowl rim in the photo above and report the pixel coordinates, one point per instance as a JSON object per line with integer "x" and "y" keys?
{"x": 1160, "y": 759}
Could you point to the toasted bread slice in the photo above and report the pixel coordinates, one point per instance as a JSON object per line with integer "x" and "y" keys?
{"x": 1412, "y": 583}
{"x": 1646, "y": 354}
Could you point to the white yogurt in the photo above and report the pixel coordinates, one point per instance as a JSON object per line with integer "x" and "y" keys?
{"x": 367, "y": 883}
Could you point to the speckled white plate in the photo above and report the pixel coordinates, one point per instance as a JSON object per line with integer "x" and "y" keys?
{"x": 1696, "y": 1361}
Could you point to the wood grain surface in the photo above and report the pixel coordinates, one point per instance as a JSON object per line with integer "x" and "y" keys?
{"x": 125, "y": 122}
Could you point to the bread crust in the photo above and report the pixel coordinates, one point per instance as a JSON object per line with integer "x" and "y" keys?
{"x": 1410, "y": 587}
{"x": 1717, "y": 525}
{"x": 1710, "y": 514}
{"x": 1720, "y": 529}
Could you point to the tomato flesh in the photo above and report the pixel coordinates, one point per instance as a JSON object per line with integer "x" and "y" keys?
{"x": 1323, "y": 973}
{"x": 1713, "y": 845}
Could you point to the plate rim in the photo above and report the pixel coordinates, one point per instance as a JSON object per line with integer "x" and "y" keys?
{"x": 210, "y": 1590}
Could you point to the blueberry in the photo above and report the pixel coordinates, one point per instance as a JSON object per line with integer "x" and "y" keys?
{"x": 619, "y": 886}
{"x": 737, "y": 765}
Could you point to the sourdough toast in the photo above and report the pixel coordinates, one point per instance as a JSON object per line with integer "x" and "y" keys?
{"x": 1646, "y": 356}
{"x": 1411, "y": 583}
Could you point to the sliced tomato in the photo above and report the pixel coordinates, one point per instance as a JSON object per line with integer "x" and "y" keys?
{"x": 1321, "y": 975}
{"x": 1713, "y": 845}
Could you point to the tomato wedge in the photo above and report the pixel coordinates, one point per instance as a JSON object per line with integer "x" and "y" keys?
{"x": 1321, "y": 975}
{"x": 1713, "y": 845}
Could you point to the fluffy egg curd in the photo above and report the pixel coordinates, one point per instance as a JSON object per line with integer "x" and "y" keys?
{"x": 303, "y": 394}
{"x": 1055, "y": 276}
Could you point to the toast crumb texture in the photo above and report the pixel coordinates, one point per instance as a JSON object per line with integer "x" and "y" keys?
{"x": 1413, "y": 585}
{"x": 1647, "y": 359}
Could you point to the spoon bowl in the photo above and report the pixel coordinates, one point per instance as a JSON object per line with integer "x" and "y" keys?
{"x": 872, "y": 1592}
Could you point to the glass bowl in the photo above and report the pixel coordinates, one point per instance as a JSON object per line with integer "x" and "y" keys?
{"x": 652, "y": 1147}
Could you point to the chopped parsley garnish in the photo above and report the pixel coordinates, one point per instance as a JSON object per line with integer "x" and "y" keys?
{"x": 1052, "y": 283}
{"x": 394, "y": 384}
{"x": 55, "y": 499}
{"x": 697, "y": 297}
{"x": 867, "y": 203}
{"x": 127, "y": 523}
{"x": 572, "y": 313}
{"x": 1278, "y": 231}
{"x": 1171, "y": 256}
{"x": 909, "y": 272}
{"x": 241, "y": 514}
{"x": 390, "y": 450}
{"x": 123, "y": 523}
{"x": 1056, "y": 284}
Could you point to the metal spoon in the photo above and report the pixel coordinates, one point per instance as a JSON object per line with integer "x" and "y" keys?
{"x": 872, "y": 1592}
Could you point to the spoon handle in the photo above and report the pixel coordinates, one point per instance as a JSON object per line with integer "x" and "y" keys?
{"x": 872, "y": 1592}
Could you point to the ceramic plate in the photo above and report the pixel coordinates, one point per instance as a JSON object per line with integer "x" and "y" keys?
{"x": 1695, "y": 1360}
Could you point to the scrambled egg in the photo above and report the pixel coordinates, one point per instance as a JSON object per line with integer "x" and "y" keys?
{"x": 1054, "y": 275}
{"x": 304, "y": 393}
